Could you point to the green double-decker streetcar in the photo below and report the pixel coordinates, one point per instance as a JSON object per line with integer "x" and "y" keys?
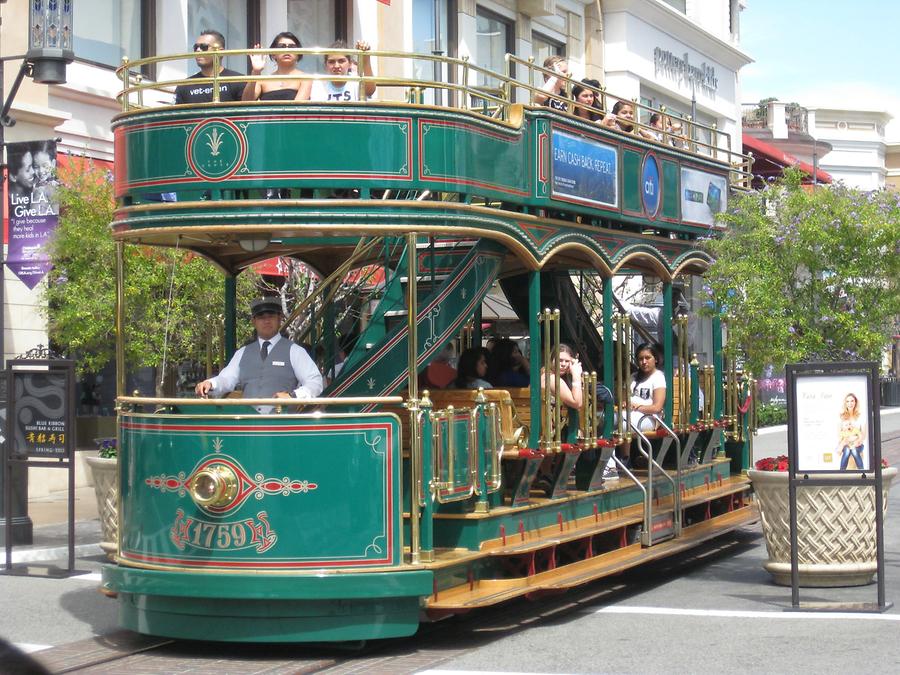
{"x": 380, "y": 504}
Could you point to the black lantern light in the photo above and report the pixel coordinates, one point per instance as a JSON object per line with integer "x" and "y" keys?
{"x": 50, "y": 37}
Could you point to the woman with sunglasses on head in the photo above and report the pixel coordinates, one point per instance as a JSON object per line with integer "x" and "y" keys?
{"x": 287, "y": 89}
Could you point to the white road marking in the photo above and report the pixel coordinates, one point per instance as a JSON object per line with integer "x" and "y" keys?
{"x": 90, "y": 576}
{"x": 30, "y": 648}
{"x": 743, "y": 614}
{"x": 47, "y": 554}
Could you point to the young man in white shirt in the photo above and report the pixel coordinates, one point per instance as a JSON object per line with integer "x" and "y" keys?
{"x": 339, "y": 64}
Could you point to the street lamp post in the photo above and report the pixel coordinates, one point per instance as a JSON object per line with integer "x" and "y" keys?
{"x": 50, "y": 38}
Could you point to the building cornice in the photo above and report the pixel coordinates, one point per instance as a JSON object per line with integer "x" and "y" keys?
{"x": 679, "y": 26}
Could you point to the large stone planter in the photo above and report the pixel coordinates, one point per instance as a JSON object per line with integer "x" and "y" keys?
{"x": 835, "y": 529}
{"x": 106, "y": 490}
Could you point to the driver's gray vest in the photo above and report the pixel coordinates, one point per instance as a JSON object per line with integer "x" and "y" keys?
{"x": 261, "y": 379}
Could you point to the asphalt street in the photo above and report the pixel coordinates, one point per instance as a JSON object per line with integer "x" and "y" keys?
{"x": 714, "y": 610}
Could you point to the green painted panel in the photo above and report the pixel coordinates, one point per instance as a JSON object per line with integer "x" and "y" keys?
{"x": 631, "y": 180}
{"x": 473, "y": 157}
{"x": 255, "y": 151}
{"x": 671, "y": 201}
{"x": 294, "y": 506}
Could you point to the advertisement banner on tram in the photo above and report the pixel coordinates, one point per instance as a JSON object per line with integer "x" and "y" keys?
{"x": 585, "y": 170}
{"x": 703, "y": 196}
{"x": 33, "y": 208}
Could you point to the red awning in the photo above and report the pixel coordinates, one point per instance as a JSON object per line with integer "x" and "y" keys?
{"x": 778, "y": 158}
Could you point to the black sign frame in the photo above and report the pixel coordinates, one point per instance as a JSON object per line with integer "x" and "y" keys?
{"x": 800, "y": 478}
{"x": 16, "y": 370}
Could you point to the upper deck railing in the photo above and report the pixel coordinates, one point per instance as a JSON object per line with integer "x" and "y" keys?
{"x": 427, "y": 79}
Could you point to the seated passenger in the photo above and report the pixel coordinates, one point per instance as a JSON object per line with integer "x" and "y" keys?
{"x": 340, "y": 64}
{"x": 510, "y": 368}
{"x": 439, "y": 374}
{"x": 554, "y": 85}
{"x": 285, "y": 66}
{"x": 472, "y": 369}
{"x": 677, "y": 138}
{"x": 590, "y": 105}
{"x": 569, "y": 378}
{"x": 648, "y": 397}
{"x": 271, "y": 366}
{"x": 657, "y": 129}
{"x": 621, "y": 117}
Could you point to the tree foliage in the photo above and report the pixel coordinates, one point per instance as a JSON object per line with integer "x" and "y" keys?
{"x": 806, "y": 275}
{"x": 173, "y": 298}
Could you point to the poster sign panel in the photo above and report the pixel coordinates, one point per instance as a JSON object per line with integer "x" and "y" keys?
{"x": 41, "y": 422}
{"x": 703, "y": 195}
{"x": 832, "y": 420}
{"x": 33, "y": 208}
{"x": 584, "y": 170}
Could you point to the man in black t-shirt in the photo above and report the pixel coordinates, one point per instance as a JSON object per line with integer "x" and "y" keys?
{"x": 203, "y": 92}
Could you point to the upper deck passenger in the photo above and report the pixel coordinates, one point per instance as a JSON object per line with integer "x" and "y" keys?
{"x": 285, "y": 66}
{"x": 587, "y": 106}
{"x": 553, "y": 84}
{"x": 202, "y": 93}
{"x": 339, "y": 64}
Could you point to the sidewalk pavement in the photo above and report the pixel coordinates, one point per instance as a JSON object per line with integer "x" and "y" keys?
{"x": 49, "y": 517}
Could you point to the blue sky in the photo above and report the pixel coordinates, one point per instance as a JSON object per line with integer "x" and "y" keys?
{"x": 824, "y": 52}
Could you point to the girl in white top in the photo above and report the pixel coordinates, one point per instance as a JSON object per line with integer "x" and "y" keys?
{"x": 648, "y": 397}
{"x": 648, "y": 387}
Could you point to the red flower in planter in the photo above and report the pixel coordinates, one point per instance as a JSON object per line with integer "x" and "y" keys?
{"x": 779, "y": 463}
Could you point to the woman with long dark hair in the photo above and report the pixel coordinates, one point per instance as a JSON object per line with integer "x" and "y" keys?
{"x": 472, "y": 369}
{"x": 648, "y": 398}
{"x": 287, "y": 89}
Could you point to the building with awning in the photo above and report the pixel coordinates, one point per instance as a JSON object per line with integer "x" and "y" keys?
{"x": 769, "y": 162}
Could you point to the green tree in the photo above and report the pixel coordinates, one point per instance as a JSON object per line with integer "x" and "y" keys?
{"x": 808, "y": 274}
{"x": 173, "y": 298}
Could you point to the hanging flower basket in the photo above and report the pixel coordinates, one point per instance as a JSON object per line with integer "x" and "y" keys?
{"x": 835, "y": 526}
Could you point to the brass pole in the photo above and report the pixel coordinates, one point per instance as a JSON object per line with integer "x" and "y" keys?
{"x": 557, "y": 400}
{"x": 120, "y": 318}
{"x": 413, "y": 405}
{"x": 546, "y": 443}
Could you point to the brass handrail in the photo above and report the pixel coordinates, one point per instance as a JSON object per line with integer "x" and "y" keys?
{"x": 494, "y": 100}
{"x": 349, "y": 400}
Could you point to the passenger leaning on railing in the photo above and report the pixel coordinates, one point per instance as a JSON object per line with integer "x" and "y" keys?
{"x": 340, "y": 64}
{"x": 209, "y": 40}
{"x": 554, "y": 85}
{"x": 285, "y": 67}
{"x": 587, "y": 106}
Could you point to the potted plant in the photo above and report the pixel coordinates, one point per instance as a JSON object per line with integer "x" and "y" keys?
{"x": 104, "y": 469}
{"x": 835, "y": 526}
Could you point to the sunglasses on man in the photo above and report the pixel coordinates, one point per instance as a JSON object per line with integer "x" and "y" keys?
{"x": 203, "y": 47}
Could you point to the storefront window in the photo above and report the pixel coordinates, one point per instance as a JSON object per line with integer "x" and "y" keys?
{"x": 425, "y": 27}
{"x": 542, "y": 47}
{"x": 493, "y": 42}
{"x": 315, "y": 23}
{"x": 229, "y": 17}
{"x": 107, "y": 30}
